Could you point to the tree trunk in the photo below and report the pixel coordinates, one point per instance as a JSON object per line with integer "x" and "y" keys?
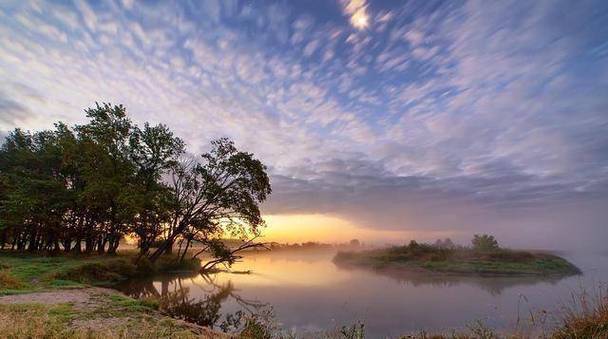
{"x": 101, "y": 245}
{"x": 163, "y": 248}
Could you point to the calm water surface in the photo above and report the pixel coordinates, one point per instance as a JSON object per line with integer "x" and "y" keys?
{"x": 308, "y": 292}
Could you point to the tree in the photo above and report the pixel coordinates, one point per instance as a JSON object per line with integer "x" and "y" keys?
{"x": 96, "y": 183}
{"x": 444, "y": 244}
{"x": 109, "y": 173}
{"x": 35, "y": 199}
{"x": 153, "y": 150}
{"x": 216, "y": 198}
{"x": 484, "y": 242}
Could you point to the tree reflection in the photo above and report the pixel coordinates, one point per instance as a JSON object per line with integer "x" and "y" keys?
{"x": 494, "y": 285}
{"x": 175, "y": 300}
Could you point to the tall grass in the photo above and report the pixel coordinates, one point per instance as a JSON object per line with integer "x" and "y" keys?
{"x": 585, "y": 317}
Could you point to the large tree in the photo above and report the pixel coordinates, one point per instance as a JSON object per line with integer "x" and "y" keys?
{"x": 95, "y": 183}
{"x": 153, "y": 150}
{"x": 215, "y": 198}
{"x": 108, "y": 172}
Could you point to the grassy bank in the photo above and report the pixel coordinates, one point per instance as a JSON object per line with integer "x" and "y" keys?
{"x": 20, "y": 273}
{"x": 89, "y": 313}
{"x": 460, "y": 260}
{"x": 55, "y": 297}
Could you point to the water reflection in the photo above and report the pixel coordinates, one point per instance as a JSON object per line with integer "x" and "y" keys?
{"x": 203, "y": 307}
{"x": 308, "y": 293}
{"x": 494, "y": 285}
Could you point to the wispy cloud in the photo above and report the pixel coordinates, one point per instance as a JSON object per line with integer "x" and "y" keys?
{"x": 475, "y": 107}
{"x": 356, "y": 10}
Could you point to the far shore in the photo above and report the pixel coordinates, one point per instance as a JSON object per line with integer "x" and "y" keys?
{"x": 428, "y": 259}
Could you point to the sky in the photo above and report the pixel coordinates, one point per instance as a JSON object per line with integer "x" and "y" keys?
{"x": 384, "y": 120}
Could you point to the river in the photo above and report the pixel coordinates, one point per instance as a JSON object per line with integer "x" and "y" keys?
{"x": 308, "y": 292}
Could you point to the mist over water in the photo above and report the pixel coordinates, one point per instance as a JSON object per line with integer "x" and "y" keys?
{"x": 309, "y": 293}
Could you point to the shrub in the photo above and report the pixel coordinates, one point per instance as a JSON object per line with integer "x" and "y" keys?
{"x": 145, "y": 266}
{"x": 7, "y": 281}
{"x": 447, "y": 244}
{"x": 484, "y": 242}
{"x": 110, "y": 271}
{"x": 170, "y": 263}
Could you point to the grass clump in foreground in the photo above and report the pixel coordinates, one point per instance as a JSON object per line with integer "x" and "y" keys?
{"x": 21, "y": 273}
{"x": 104, "y": 321}
{"x": 479, "y": 259}
{"x": 586, "y": 317}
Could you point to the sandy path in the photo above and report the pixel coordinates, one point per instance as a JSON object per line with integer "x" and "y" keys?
{"x": 47, "y": 298}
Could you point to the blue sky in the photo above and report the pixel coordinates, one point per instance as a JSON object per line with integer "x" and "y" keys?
{"x": 450, "y": 116}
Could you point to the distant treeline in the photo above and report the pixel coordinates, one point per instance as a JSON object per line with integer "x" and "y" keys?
{"x": 84, "y": 188}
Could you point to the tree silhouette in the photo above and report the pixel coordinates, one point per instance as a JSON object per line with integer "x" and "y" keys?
{"x": 86, "y": 187}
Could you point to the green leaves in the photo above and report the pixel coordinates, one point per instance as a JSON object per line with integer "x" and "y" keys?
{"x": 97, "y": 182}
{"x": 484, "y": 242}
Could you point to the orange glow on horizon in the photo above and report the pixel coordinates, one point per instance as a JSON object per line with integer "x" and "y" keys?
{"x": 297, "y": 228}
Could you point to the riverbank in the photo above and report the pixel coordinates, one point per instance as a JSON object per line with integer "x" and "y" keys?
{"x": 60, "y": 297}
{"x": 90, "y": 312}
{"x": 20, "y": 273}
{"x": 56, "y": 308}
{"x": 461, "y": 261}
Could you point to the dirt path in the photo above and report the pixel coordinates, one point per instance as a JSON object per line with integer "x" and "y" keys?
{"x": 99, "y": 310}
{"x": 77, "y": 297}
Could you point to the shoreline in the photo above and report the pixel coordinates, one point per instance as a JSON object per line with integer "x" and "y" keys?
{"x": 60, "y": 310}
{"x": 422, "y": 258}
{"x": 75, "y": 297}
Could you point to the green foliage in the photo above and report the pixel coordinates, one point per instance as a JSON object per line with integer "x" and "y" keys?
{"x": 460, "y": 260}
{"x": 172, "y": 263}
{"x": 484, "y": 242}
{"x": 85, "y": 188}
{"x": 107, "y": 272}
{"x": 37, "y": 272}
{"x": 216, "y": 197}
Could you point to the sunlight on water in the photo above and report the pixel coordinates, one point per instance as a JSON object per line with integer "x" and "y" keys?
{"x": 268, "y": 271}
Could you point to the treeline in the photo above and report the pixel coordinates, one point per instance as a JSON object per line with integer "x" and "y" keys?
{"x": 84, "y": 188}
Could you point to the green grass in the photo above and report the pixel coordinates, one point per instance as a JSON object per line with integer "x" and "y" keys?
{"x": 130, "y": 304}
{"x": 58, "y": 321}
{"x": 460, "y": 261}
{"x": 538, "y": 266}
{"x": 25, "y": 272}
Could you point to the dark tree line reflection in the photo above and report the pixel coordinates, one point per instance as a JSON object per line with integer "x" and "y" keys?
{"x": 174, "y": 300}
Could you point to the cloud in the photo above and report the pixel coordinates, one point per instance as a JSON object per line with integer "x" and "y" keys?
{"x": 438, "y": 117}
{"x": 12, "y": 112}
{"x": 3, "y": 135}
{"x": 357, "y": 12}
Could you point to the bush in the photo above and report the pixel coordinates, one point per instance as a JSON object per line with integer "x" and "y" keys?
{"x": 484, "y": 242}
{"x": 7, "y": 281}
{"x": 145, "y": 266}
{"x": 110, "y": 271}
{"x": 171, "y": 263}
